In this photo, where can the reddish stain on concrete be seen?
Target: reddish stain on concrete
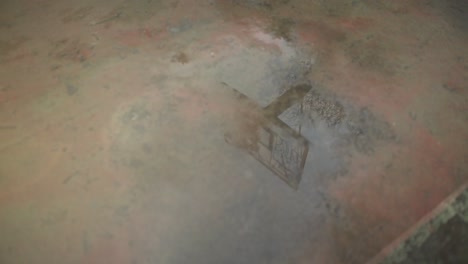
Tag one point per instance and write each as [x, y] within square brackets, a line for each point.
[356, 24]
[319, 35]
[131, 38]
[114, 251]
[23, 56]
[406, 184]
[62, 150]
[457, 77]
[140, 36]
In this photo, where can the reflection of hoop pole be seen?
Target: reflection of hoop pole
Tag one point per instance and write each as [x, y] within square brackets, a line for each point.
[228, 138]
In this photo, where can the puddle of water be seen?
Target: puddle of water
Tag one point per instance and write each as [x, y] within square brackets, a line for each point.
[266, 72]
[270, 141]
[218, 180]
[252, 149]
[223, 152]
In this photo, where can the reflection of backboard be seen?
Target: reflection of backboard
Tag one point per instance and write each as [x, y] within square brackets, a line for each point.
[273, 143]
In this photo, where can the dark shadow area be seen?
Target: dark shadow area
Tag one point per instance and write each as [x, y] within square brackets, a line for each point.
[442, 237]
[447, 245]
[457, 10]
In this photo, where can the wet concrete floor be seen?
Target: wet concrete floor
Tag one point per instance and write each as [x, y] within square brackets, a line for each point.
[226, 131]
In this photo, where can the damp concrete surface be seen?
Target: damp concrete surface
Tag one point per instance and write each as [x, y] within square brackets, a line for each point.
[226, 131]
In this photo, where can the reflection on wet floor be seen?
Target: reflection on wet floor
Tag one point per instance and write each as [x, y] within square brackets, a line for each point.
[228, 131]
[272, 142]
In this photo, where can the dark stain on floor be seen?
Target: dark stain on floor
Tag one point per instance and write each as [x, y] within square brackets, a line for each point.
[366, 130]
[369, 54]
[281, 28]
[71, 89]
[180, 57]
[456, 13]
[11, 44]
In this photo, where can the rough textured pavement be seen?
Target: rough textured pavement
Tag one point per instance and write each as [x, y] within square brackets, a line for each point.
[175, 132]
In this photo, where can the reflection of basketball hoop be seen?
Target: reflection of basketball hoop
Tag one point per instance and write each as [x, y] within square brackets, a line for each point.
[273, 143]
[240, 141]
[283, 151]
[231, 140]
